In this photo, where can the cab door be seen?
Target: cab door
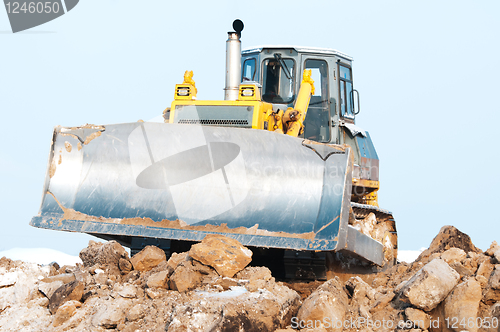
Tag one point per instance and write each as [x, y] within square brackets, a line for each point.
[346, 92]
[318, 114]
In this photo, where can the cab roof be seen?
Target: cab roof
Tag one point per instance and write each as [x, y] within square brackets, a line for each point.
[299, 49]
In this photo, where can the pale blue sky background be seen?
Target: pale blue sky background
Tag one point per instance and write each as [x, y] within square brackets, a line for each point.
[427, 72]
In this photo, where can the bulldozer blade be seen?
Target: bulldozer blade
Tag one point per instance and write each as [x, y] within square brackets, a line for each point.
[182, 182]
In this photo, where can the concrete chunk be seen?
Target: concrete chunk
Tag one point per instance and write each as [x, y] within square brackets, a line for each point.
[159, 279]
[148, 258]
[48, 289]
[67, 292]
[463, 303]
[328, 303]
[453, 255]
[418, 318]
[227, 256]
[430, 285]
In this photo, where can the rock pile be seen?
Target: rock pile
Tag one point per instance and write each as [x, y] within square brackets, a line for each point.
[452, 286]
[208, 288]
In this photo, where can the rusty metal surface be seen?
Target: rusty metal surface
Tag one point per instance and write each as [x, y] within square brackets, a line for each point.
[95, 228]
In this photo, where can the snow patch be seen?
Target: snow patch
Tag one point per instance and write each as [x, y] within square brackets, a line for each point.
[409, 256]
[234, 292]
[40, 256]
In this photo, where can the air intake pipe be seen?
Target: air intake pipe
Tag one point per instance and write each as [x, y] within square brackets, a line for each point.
[233, 61]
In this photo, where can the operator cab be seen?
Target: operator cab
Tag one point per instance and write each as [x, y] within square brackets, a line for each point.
[278, 69]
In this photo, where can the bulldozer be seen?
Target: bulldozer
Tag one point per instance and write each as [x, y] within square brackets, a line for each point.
[278, 165]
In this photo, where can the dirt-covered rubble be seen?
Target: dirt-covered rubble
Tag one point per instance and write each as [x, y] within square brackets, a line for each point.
[452, 286]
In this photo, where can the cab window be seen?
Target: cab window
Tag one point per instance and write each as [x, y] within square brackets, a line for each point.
[345, 90]
[248, 70]
[318, 113]
[278, 80]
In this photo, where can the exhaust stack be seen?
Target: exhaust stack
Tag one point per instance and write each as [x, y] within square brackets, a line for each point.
[233, 61]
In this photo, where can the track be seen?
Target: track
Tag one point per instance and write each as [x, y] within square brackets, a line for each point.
[362, 210]
[385, 218]
[295, 265]
[307, 265]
